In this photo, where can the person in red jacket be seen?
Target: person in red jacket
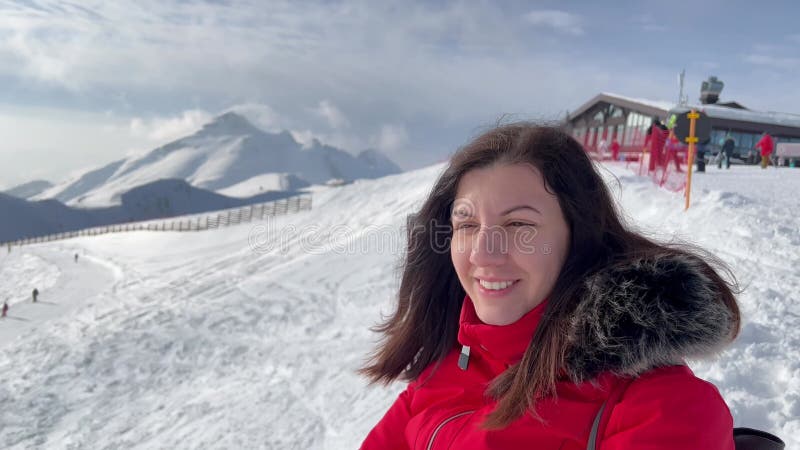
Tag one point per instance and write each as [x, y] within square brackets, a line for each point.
[654, 142]
[766, 145]
[672, 147]
[615, 149]
[539, 306]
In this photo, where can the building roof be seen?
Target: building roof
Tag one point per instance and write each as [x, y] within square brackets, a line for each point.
[746, 115]
[650, 107]
[661, 107]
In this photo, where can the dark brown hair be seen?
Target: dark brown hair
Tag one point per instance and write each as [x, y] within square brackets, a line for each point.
[424, 328]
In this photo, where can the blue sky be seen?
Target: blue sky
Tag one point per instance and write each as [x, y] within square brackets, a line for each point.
[88, 82]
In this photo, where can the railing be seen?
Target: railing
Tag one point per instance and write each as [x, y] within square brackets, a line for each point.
[198, 222]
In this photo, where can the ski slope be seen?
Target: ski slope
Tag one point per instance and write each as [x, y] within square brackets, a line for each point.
[249, 336]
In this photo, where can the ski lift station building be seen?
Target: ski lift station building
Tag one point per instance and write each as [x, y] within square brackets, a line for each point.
[611, 116]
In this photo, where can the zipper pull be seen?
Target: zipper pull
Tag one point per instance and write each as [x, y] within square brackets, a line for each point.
[463, 358]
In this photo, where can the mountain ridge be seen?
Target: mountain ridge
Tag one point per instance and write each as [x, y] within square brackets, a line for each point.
[226, 151]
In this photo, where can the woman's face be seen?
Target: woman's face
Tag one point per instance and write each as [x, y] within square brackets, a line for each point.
[510, 240]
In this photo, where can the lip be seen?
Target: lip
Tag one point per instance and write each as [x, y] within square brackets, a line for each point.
[495, 293]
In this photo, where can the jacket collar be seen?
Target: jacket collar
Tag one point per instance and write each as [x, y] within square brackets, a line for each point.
[632, 316]
[506, 343]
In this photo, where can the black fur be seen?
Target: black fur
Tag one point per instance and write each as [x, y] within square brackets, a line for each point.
[649, 313]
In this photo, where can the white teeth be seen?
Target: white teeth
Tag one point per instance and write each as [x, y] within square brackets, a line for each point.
[495, 285]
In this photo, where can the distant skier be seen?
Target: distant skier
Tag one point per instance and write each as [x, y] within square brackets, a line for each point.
[5, 309]
[615, 149]
[766, 145]
[725, 153]
[673, 147]
[654, 142]
[602, 148]
[35, 294]
[76, 257]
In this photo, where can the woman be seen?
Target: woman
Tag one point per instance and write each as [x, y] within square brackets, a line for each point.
[541, 304]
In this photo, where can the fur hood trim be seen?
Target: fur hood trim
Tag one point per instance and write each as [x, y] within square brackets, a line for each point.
[650, 312]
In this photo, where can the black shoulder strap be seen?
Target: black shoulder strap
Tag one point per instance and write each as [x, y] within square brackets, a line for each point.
[750, 439]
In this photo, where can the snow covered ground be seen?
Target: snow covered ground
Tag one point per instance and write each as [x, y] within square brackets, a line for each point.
[248, 337]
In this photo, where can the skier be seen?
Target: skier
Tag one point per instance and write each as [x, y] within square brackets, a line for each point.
[615, 149]
[5, 309]
[656, 137]
[766, 145]
[726, 152]
[672, 147]
[76, 257]
[602, 148]
[35, 294]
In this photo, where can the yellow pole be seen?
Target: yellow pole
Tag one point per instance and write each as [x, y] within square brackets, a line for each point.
[693, 116]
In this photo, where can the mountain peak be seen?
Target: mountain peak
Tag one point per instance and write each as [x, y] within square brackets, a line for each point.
[230, 123]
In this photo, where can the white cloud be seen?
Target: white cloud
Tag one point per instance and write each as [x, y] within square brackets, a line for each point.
[165, 129]
[305, 137]
[335, 118]
[391, 138]
[775, 62]
[52, 143]
[648, 22]
[262, 116]
[560, 21]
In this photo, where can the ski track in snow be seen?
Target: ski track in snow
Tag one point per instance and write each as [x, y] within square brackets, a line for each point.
[241, 338]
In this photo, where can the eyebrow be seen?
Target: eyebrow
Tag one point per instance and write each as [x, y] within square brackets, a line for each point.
[504, 213]
[510, 210]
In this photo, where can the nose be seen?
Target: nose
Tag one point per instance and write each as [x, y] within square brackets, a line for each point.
[489, 247]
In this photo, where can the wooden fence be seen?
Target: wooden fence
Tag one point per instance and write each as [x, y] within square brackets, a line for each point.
[198, 222]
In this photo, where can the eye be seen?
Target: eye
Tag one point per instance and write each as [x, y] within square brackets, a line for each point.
[464, 225]
[520, 224]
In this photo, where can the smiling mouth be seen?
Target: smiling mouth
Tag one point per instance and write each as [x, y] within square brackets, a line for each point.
[496, 285]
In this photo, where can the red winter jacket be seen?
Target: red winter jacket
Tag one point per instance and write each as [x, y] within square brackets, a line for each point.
[766, 145]
[664, 408]
[656, 138]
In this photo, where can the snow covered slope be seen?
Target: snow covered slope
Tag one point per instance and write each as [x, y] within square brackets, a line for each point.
[248, 337]
[227, 151]
[267, 182]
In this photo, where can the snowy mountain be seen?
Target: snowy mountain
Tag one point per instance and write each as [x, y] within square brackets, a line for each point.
[227, 151]
[240, 338]
[162, 198]
[30, 189]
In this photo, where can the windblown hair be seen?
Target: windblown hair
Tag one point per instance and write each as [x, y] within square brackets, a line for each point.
[605, 265]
